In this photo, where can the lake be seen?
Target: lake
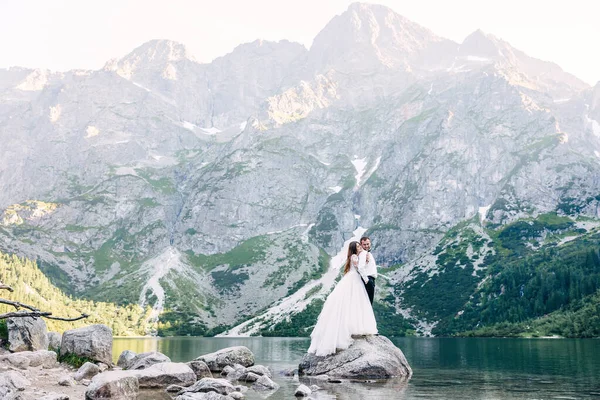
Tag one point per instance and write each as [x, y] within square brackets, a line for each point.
[443, 368]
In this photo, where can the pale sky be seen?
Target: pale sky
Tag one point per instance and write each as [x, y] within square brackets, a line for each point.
[67, 34]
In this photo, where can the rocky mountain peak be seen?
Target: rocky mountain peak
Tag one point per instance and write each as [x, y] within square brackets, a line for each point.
[369, 37]
[152, 54]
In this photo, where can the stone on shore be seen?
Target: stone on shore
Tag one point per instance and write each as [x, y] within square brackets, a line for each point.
[232, 355]
[26, 359]
[27, 334]
[302, 391]
[370, 356]
[94, 342]
[265, 383]
[125, 357]
[200, 369]
[205, 385]
[67, 380]
[120, 385]
[54, 396]
[54, 340]
[11, 383]
[204, 396]
[260, 370]
[145, 360]
[164, 374]
[86, 371]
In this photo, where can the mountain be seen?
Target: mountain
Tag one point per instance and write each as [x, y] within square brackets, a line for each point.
[222, 194]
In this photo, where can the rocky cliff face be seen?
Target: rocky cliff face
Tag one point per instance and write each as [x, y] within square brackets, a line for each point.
[192, 186]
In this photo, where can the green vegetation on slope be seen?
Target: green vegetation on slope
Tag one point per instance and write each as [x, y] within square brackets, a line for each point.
[32, 287]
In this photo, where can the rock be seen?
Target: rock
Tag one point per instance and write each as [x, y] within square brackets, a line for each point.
[26, 359]
[120, 385]
[125, 357]
[103, 367]
[145, 360]
[302, 391]
[54, 396]
[236, 395]
[11, 383]
[260, 370]
[203, 396]
[368, 357]
[164, 374]
[86, 371]
[265, 384]
[232, 355]
[251, 377]
[43, 358]
[94, 341]
[226, 370]
[238, 373]
[54, 340]
[27, 334]
[85, 382]
[314, 388]
[289, 372]
[200, 369]
[241, 388]
[14, 379]
[16, 360]
[221, 386]
[67, 380]
[174, 389]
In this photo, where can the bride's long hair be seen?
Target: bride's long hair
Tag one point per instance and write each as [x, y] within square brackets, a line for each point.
[352, 249]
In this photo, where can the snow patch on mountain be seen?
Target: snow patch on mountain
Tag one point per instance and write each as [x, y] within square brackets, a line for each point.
[483, 212]
[159, 267]
[360, 165]
[210, 131]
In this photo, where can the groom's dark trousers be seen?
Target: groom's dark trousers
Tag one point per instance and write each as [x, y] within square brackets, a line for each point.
[370, 286]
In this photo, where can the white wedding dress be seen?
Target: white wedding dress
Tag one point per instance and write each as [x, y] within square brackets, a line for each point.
[346, 312]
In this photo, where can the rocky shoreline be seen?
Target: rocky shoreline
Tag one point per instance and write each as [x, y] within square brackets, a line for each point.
[228, 374]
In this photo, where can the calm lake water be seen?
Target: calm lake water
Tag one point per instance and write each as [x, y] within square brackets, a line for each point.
[443, 368]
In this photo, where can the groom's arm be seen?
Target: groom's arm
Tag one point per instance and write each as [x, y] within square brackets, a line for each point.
[362, 263]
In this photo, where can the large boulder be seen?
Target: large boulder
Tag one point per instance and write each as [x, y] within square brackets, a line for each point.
[94, 342]
[371, 356]
[145, 360]
[25, 359]
[27, 334]
[120, 385]
[164, 374]
[232, 355]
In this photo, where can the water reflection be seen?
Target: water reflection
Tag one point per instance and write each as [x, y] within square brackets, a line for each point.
[448, 368]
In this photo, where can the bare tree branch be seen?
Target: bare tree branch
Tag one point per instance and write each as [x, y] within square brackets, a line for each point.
[24, 314]
[82, 316]
[18, 305]
[6, 287]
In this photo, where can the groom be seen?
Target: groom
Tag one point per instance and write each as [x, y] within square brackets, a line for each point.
[370, 269]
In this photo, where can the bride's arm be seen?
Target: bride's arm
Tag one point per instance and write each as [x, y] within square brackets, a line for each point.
[361, 264]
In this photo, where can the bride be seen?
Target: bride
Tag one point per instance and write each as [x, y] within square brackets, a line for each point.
[347, 310]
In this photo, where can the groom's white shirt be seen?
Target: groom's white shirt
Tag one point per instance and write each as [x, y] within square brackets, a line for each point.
[366, 269]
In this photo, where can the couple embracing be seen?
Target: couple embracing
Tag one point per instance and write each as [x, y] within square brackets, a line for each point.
[348, 309]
